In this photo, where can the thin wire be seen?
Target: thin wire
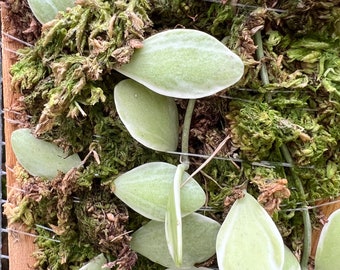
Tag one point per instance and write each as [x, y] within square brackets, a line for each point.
[17, 39]
[44, 228]
[9, 50]
[245, 6]
[310, 207]
[31, 234]
[262, 163]
[204, 209]
[77, 200]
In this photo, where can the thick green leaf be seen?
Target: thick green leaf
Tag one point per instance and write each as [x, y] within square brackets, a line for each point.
[96, 263]
[290, 263]
[41, 158]
[184, 63]
[249, 239]
[327, 255]
[173, 218]
[46, 10]
[146, 190]
[151, 119]
[199, 236]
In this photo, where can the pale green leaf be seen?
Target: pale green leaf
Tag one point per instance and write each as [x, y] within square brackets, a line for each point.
[46, 10]
[184, 63]
[199, 237]
[173, 218]
[327, 255]
[151, 119]
[249, 239]
[96, 263]
[146, 190]
[41, 158]
[290, 263]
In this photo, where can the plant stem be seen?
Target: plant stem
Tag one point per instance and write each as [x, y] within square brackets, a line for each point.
[305, 214]
[260, 55]
[186, 131]
[307, 243]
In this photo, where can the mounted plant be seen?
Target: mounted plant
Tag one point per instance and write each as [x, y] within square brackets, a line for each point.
[156, 190]
[179, 63]
[102, 71]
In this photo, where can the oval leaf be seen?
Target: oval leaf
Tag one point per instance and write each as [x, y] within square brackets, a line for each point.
[46, 10]
[151, 119]
[199, 236]
[96, 263]
[41, 158]
[327, 255]
[146, 190]
[249, 239]
[290, 263]
[184, 63]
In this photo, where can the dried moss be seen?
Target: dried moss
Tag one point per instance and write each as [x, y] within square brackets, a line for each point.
[67, 80]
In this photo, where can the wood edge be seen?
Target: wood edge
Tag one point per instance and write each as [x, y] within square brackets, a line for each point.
[20, 246]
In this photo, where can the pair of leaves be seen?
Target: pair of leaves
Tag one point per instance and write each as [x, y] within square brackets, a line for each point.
[249, 239]
[179, 63]
[46, 10]
[41, 158]
[154, 190]
[199, 237]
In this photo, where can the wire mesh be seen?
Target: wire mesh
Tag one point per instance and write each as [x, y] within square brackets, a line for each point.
[3, 233]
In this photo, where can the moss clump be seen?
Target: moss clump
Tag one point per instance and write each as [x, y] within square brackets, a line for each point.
[288, 99]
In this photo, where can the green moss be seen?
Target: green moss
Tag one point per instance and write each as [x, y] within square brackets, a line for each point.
[67, 81]
[61, 253]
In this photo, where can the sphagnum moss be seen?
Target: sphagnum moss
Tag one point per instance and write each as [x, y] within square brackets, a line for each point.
[67, 81]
